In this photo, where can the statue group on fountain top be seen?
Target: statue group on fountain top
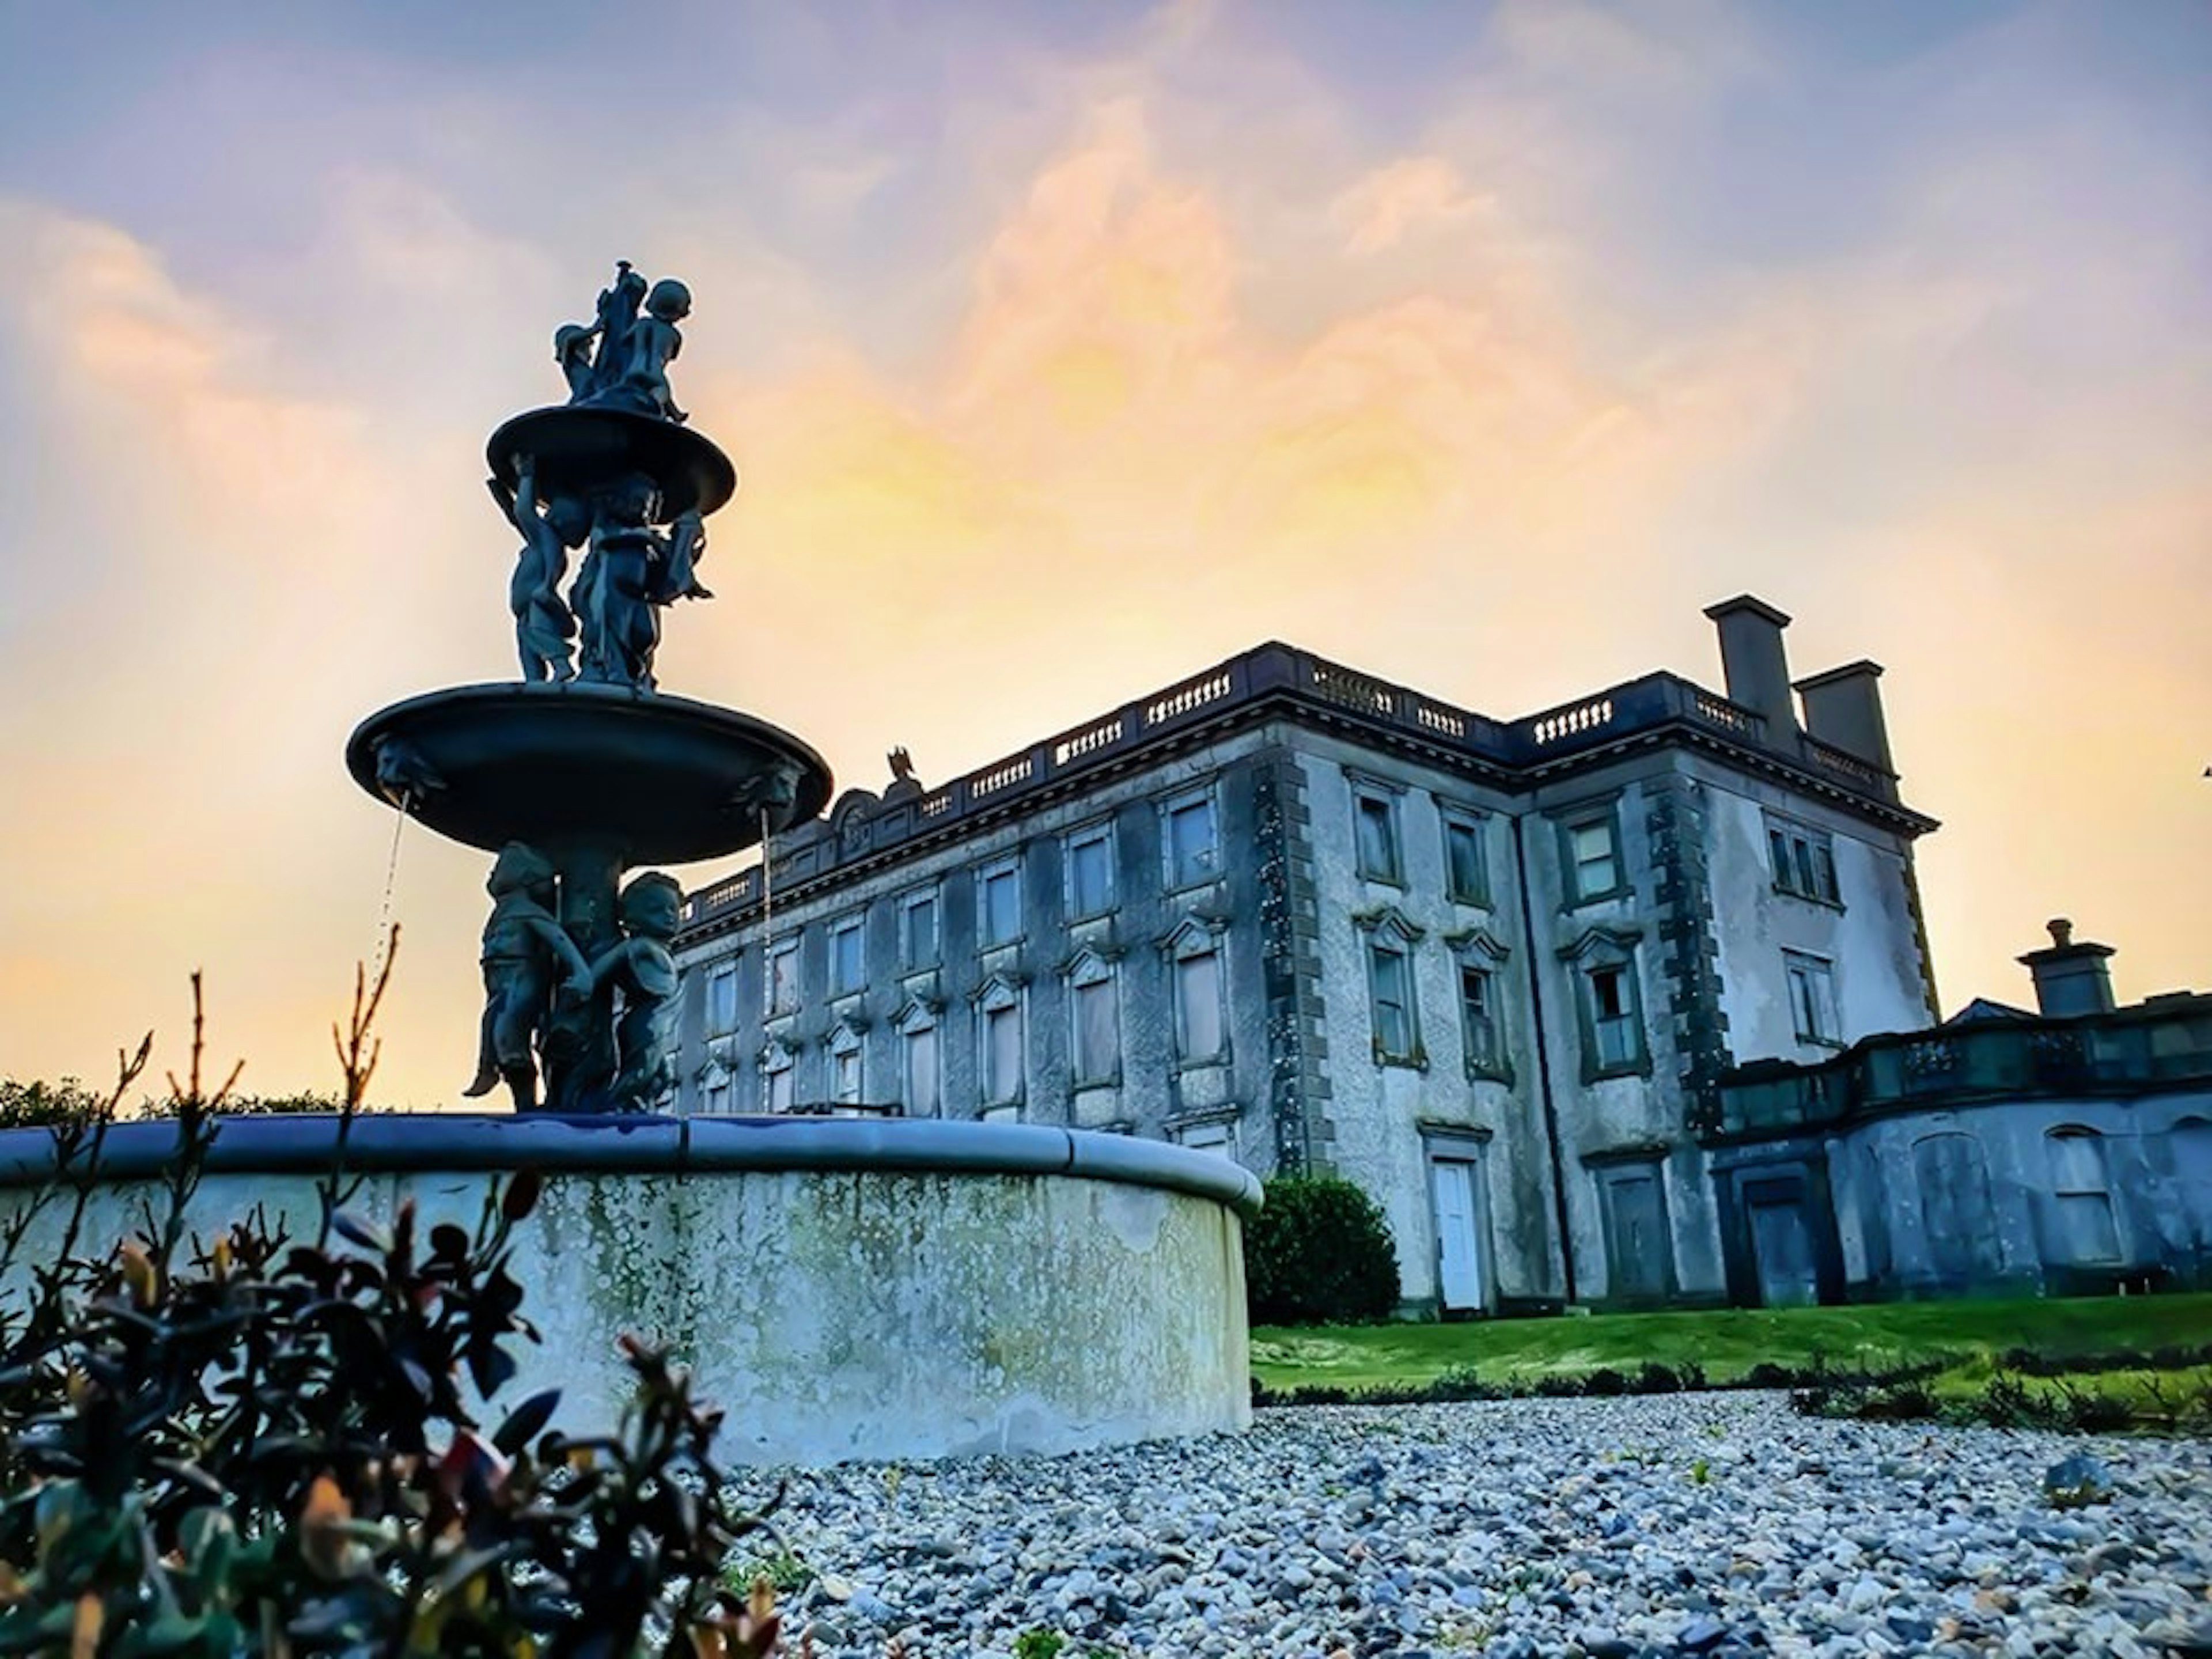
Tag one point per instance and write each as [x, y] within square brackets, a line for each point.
[631, 570]
[540, 990]
[620, 360]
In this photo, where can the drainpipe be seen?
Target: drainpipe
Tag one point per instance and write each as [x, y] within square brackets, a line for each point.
[1544, 1071]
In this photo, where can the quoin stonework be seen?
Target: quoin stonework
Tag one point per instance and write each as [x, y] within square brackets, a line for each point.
[1505, 975]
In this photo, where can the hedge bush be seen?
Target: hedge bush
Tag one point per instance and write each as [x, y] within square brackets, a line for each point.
[1319, 1253]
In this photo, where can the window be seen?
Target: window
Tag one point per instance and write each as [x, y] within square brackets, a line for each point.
[2081, 1198]
[1613, 1018]
[778, 1072]
[1195, 965]
[845, 1067]
[1478, 1016]
[1811, 999]
[848, 966]
[998, 903]
[999, 1039]
[1593, 858]
[918, 1046]
[783, 976]
[722, 998]
[1094, 1035]
[718, 1098]
[1466, 873]
[1391, 985]
[1091, 872]
[1193, 848]
[918, 929]
[1804, 861]
[1376, 825]
[1213, 1137]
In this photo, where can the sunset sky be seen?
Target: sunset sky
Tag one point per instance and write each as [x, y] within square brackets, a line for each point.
[1065, 350]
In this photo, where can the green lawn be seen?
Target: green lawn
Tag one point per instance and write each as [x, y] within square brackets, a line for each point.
[1727, 1342]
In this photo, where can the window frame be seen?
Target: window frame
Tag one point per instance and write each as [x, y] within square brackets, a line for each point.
[1605, 815]
[1605, 950]
[846, 1046]
[1008, 868]
[1194, 940]
[784, 950]
[852, 924]
[1801, 861]
[930, 896]
[1207, 867]
[917, 1024]
[1376, 802]
[1099, 834]
[1474, 826]
[2068, 1198]
[714, 1019]
[999, 997]
[1092, 972]
[1818, 974]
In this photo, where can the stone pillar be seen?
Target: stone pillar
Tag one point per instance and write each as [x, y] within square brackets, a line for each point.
[1755, 665]
[1843, 708]
[2070, 978]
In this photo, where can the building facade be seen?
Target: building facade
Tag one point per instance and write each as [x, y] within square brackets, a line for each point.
[2060, 1151]
[1493, 971]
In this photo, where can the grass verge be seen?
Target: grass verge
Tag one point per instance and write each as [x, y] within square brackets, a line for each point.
[1727, 1343]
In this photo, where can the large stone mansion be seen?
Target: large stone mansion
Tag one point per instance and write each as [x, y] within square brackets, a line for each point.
[1494, 971]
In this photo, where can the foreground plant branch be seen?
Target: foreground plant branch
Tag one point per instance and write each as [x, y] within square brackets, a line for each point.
[226, 1442]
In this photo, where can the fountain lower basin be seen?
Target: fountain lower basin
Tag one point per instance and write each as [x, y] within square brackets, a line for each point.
[843, 1288]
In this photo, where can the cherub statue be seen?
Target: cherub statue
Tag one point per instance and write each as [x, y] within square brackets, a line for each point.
[642, 969]
[615, 317]
[523, 942]
[614, 592]
[653, 344]
[544, 624]
[571, 349]
[680, 551]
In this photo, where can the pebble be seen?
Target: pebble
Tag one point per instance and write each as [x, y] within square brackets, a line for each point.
[1721, 1525]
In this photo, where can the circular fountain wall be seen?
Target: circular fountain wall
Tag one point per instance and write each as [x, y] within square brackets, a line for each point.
[843, 1288]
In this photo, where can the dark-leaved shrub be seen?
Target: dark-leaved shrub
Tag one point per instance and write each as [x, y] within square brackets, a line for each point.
[1319, 1253]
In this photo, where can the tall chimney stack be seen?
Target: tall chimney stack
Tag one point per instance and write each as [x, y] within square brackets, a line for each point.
[1843, 708]
[1755, 665]
[2070, 978]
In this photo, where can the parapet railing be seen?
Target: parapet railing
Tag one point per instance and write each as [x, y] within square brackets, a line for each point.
[1958, 1066]
[1273, 671]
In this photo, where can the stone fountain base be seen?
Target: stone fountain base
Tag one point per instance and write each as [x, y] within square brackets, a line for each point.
[844, 1288]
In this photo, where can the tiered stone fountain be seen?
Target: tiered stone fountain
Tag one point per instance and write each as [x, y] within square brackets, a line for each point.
[846, 1287]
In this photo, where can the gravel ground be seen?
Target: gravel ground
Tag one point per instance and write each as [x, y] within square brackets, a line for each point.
[1716, 1524]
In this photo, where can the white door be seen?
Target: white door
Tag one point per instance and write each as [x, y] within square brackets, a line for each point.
[1459, 1250]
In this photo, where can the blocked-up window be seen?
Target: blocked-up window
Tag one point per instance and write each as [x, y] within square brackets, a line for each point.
[1466, 874]
[2082, 1196]
[999, 904]
[777, 1079]
[1200, 1027]
[1376, 815]
[1002, 1049]
[722, 998]
[783, 977]
[918, 929]
[1089, 873]
[1192, 842]
[847, 967]
[1094, 1038]
[918, 1040]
